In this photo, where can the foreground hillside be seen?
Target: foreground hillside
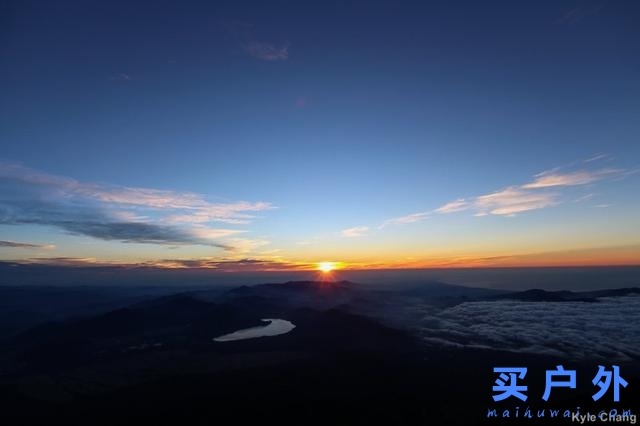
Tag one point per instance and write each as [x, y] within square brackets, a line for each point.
[355, 356]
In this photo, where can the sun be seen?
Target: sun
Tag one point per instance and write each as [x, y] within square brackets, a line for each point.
[326, 267]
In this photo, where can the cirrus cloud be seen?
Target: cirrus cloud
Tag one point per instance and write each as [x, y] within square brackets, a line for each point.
[453, 206]
[30, 197]
[581, 177]
[19, 245]
[534, 195]
[358, 231]
[513, 200]
[403, 220]
[244, 34]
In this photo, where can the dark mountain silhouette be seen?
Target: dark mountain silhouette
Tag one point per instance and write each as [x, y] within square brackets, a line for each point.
[22, 307]
[155, 360]
[538, 295]
[186, 321]
[316, 294]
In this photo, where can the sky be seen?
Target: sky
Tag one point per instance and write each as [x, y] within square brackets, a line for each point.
[276, 135]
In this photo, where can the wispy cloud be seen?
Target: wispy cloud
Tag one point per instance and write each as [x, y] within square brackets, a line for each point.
[534, 195]
[232, 213]
[358, 231]
[66, 261]
[453, 206]
[513, 200]
[198, 209]
[19, 245]
[505, 202]
[246, 245]
[403, 220]
[584, 197]
[231, 265]
[121, 77]
[258, 48]
[97, 225]
[214, 233]
[222, 264]
[102, 211]
[599, 157]
[581, 177]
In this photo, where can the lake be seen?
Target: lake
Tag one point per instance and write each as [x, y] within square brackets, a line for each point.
[274, 328]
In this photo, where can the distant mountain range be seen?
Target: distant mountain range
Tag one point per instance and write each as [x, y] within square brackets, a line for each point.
[537, 295]
[354, 352]
[193, 319]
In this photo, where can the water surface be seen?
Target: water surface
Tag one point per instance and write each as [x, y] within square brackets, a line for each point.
[274, 328]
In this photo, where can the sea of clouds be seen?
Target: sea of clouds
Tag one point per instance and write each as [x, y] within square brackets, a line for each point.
[608, 329]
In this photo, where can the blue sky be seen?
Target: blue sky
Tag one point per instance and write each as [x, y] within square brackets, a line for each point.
[328, 131]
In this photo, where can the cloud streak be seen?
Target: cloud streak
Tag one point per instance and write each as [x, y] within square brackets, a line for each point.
[404, 220]
[231, 265]
[454, 206]
[194, 206]
[30, 197]
[260, 49]
[358, 231]
[533, 195]
[19, 245]
[581, 177]
[222, 264]
[512, 200]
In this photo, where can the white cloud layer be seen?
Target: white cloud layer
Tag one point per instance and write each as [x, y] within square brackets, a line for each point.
[609, 329]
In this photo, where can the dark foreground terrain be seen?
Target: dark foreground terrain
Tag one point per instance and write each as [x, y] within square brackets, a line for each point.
[353, 358]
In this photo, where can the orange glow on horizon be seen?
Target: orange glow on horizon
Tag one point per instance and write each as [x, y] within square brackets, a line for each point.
[581, 257]
[327, 267]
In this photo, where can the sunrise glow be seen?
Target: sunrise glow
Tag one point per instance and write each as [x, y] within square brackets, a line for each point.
[327, 267]
[423, 172]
